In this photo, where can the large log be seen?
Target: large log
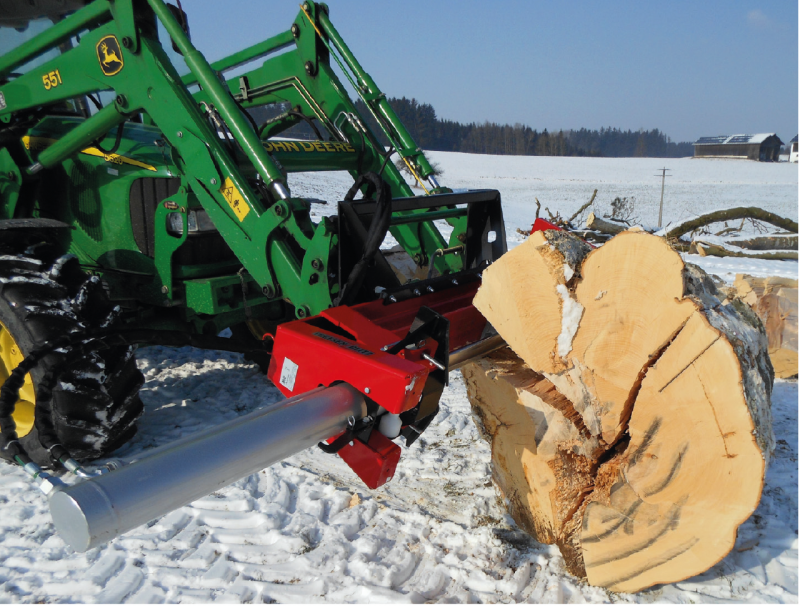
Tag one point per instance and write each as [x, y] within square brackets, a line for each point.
[631, 424]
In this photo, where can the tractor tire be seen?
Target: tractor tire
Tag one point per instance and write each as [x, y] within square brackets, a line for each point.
[95, 400]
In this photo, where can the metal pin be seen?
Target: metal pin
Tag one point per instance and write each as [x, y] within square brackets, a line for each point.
[436, 363]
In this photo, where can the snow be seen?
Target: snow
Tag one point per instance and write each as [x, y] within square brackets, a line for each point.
[571, 313]
[307, 530]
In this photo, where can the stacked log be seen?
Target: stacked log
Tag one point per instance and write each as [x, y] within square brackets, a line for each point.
[774, 299]
[630, 419]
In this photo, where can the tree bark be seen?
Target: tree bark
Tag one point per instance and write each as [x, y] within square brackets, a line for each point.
[631, 424]
[715, 250]
[766, 243]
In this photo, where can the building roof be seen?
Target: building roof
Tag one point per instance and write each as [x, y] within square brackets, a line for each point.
[735, 139]
[794, 140]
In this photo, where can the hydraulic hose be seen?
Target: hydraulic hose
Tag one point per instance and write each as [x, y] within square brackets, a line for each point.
[375, 236]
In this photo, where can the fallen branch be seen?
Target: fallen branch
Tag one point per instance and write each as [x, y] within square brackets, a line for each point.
[705, 248]
[745, 212]
[596, 223]
[730, 230]
[583, 208]
[766, 243]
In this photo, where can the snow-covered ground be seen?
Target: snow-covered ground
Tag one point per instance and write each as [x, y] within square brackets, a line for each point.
[307, 530]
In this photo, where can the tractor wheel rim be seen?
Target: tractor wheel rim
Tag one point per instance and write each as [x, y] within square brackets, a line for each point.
[10, 356]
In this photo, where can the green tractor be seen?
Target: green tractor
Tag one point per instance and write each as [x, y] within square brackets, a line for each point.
[141, 206]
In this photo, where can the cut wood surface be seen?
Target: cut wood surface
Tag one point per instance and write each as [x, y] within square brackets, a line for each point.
[774, 299]
[603, 226]
[630, 425]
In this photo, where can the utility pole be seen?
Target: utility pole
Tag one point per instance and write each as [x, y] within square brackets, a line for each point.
[664, 175]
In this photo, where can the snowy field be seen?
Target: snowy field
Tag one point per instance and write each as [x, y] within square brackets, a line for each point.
[307, 530]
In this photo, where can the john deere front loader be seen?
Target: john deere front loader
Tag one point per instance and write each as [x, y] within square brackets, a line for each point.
[142, 206]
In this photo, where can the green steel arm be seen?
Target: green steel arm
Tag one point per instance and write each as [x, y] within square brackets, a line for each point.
[258, 229]
[374, 98]
[149, 83]
[248, 54]
[320, 94]
[92, 129]
[239, 126]
[53, 36]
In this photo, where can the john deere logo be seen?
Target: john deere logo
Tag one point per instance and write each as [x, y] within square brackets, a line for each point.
[109, 55]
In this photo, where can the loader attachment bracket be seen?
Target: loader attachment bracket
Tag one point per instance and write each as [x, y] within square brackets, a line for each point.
[476, 217]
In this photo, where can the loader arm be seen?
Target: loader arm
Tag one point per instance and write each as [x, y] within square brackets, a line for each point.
[304, 78]
[391, 340]
[147, 83]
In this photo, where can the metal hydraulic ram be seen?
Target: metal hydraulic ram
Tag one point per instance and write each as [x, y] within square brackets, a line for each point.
[96, 511]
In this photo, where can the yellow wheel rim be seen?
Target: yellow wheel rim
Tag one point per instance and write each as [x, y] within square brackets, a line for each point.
[10, 357]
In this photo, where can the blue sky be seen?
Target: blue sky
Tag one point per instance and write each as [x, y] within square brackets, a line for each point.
[689, 68]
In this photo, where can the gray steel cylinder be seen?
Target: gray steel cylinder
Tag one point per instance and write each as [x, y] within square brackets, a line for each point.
[95, 511]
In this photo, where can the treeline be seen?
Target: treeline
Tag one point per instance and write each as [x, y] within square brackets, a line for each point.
[432, 133]
[616, 143]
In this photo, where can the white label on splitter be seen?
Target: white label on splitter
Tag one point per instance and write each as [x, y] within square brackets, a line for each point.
[288, 374]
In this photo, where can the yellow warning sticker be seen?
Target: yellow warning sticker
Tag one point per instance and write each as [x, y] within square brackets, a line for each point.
[42, 143]
[234, 198]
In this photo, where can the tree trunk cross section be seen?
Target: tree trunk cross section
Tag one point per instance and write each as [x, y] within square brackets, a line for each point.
[630, 417]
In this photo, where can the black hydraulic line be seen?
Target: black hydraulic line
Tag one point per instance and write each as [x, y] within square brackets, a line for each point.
[246, 114]
[302, 116]
[292, 112]
[95, 101]
[117, 142]
[376, 234]
[270, 122]
[220, 126]
[386, 157]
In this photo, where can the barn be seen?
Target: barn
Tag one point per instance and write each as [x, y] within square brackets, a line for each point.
[765, 147]
[793, 150]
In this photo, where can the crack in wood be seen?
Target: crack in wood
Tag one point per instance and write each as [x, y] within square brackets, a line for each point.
[680, 372]
[649, 434]
[714, 412]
